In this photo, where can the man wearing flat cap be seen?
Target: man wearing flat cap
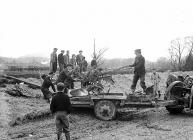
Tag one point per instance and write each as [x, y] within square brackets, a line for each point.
[53, 61]
[79, 60]
[139, 71]
[61, 60]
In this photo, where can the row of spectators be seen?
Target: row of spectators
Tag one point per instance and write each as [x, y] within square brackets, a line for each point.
[62, 60]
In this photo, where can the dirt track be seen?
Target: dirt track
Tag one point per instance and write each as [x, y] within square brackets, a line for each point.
[153, 125]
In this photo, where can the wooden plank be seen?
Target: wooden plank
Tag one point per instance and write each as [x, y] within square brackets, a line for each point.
[23, 81]
[148, 104]
[165, 103]
[81, 104]
[110, 97]
[138, 104]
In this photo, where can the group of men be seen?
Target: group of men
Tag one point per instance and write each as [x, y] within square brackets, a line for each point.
[62, 60]
[79, 60]
[67, 71]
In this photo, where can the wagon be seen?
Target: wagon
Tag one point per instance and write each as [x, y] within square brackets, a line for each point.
[106, 105]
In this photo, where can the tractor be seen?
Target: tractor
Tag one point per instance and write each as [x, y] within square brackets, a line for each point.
[181, 92]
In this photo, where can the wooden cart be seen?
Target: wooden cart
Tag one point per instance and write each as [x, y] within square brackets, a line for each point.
[106, 105]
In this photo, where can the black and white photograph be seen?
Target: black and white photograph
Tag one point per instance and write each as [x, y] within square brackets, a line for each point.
[96, 70]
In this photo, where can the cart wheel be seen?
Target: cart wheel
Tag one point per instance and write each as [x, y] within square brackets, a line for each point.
[105, 110]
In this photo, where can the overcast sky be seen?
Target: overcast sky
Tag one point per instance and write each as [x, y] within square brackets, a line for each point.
[29, 27]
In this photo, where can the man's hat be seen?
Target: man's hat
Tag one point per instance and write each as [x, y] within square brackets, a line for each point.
[43, 76]
[51, 73]
[62, 50]
[138, 50]
[80, 51]
[55, 48]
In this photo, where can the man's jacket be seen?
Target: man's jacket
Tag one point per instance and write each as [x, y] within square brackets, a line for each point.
[53, 57]
[61, 58]
[139, 65]
[47, 83]
[60, 102]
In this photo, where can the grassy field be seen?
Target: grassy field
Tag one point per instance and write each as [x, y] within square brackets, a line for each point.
[123, 82]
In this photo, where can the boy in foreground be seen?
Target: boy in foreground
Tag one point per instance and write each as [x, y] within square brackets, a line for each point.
[61, 107]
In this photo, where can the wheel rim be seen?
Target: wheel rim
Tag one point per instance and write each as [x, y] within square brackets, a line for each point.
[105, 110]
[171, 93]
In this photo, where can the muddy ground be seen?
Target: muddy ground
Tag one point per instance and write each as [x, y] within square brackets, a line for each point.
[156, 124]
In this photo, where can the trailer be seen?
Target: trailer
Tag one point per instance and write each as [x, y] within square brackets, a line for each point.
[106, 105]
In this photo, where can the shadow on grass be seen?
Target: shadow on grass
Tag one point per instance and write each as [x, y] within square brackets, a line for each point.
[183, 114]
[46, 114]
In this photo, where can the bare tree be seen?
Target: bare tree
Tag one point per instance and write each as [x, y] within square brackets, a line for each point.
[176, 51]
[163, 64]
[98, 56]
[189, 43]
[189, 57]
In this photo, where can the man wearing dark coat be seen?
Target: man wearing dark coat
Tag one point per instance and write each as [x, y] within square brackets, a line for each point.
[84, 64]
[47, 83]
[67, 58]
[61, 61]
[53, 61]
[65, 77]
[79, 60]
[94, 62]
[139, 71]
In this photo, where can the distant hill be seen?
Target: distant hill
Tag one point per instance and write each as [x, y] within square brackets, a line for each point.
[117, 62]
[37, 61]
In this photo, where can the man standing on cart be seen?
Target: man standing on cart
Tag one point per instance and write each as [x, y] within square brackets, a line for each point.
[139, 71]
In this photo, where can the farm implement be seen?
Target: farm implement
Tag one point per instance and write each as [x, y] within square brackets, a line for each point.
[107, 105]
